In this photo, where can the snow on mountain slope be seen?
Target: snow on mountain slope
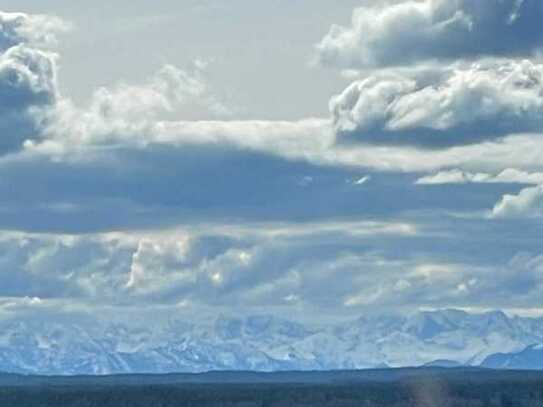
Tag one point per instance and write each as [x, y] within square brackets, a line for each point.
[264, 343]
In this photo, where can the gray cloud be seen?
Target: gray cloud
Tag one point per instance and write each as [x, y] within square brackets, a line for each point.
[288, 266]
[385, 33]
[27, 88]
[123, 187]
[205, 265]
[483, 101]
[28, 82]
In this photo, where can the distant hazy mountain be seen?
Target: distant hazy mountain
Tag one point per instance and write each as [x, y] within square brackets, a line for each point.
[530, 358]
[265, 343]
[443, 363]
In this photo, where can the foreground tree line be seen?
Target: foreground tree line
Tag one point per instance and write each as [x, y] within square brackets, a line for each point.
[416, 393]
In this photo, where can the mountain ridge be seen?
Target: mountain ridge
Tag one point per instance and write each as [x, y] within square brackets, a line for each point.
[264, 343]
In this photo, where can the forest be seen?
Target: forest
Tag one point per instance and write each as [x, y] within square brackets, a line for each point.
[404, 388]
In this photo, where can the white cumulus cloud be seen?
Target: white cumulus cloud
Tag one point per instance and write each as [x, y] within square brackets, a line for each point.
[484, 100]
[36, 29]
[527, 203]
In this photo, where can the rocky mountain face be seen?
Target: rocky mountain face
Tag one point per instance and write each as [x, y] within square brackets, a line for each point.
[266, 343]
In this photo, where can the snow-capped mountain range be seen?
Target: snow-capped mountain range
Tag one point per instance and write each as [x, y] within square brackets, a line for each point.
[266, 343]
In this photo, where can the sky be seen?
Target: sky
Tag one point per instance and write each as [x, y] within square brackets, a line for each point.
[308, 158]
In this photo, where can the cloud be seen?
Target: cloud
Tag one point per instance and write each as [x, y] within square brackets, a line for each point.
[448, 104]
[299, 234]
[393, 33]
[32, 110]
[157, 264]
[192, 172]
[309, 141]
[160, 185]
[208, 264]
[171, 89]
[527, 203]
[34, 29]
[28, 81]
[483, 101]
[50, 267]
[27, 89]
[80, 130]
[130, 113]
[445, 284]
[143, 116]
[456, 176]
[320, 266]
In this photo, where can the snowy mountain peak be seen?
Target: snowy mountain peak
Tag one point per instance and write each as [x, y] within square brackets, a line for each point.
[267, 342]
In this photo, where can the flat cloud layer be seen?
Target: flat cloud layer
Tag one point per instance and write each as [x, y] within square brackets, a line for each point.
[385, 33]
[509, 175]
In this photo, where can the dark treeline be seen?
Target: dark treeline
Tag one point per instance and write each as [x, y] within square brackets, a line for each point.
[483, 389]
